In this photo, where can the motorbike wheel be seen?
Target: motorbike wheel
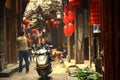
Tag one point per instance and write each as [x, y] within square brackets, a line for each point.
[42, 73]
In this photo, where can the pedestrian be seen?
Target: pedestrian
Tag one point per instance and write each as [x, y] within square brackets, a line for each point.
[22, 44]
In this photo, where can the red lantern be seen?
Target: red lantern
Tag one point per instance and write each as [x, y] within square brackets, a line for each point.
[74, 3]
[70, 16]
[66, 30]
[26, 22]
[52, 20]
[65, 9]
[65, 19]
[71, 0]
[70, 28]
[55, 22]
[34, 31]
[47, 22]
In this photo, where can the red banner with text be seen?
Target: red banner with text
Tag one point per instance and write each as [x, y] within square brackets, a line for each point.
[94, 12]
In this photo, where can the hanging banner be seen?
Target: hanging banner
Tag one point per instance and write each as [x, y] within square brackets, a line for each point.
[94, 12]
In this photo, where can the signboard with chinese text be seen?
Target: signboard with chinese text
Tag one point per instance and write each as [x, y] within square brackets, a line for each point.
[94, 12]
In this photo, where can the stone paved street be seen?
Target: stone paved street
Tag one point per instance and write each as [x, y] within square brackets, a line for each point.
[59, 73]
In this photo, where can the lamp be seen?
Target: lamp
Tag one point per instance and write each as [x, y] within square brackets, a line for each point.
[44, 30]
[96, 28]
[58, 14]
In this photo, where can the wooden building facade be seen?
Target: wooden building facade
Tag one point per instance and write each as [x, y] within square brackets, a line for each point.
[10, 23]
[111, 38]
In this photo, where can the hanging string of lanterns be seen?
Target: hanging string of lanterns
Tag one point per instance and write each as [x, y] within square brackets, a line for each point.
[68, 20]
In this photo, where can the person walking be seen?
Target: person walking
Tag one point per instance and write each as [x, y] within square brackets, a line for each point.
[22, 44]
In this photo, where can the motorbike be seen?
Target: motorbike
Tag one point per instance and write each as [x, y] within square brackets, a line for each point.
[43, 63]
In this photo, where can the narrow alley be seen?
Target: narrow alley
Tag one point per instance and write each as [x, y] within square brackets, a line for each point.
[84, 32]
[58, 73]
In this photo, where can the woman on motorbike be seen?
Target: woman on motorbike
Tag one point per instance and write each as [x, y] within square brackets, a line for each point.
[43, 45]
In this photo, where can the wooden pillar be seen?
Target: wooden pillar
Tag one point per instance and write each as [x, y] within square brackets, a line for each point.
[11, 24]
[79, 39]
[13, 32]
[19, 15]
[2, 35]
[117, 38]
[111, 38]
[68, 46]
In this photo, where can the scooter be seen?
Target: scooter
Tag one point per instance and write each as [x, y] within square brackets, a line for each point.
[43, 63]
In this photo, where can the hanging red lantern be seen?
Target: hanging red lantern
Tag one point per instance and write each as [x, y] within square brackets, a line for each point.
[26, 22]
[34, 31]
[74, 3]
[71, 28]
[52, 20]
[65, 30]
[71, 0]
[65, 9]
[65, 19]
[70, 16]
[55, 22]
[47, 22]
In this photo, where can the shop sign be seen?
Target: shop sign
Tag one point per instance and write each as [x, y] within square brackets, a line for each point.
[94, 12]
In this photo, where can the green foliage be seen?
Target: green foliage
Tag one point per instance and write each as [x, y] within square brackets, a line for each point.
[86, 74]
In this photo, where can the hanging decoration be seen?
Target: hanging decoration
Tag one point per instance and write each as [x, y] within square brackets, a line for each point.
[70, 16]
[47, 22]
[68, 21]
[52, 20]
[70, 28]
[74, 3]
[65, 9]
[34, 31]
[65, 30]
[26, 23]
[65, 19]
[71, 1]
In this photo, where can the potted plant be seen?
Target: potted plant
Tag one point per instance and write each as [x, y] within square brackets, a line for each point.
[86, 74]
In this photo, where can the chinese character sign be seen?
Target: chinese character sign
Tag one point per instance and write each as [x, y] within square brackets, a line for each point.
[94, 12]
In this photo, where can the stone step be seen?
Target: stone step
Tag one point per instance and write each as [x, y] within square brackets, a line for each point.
[10, 70]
